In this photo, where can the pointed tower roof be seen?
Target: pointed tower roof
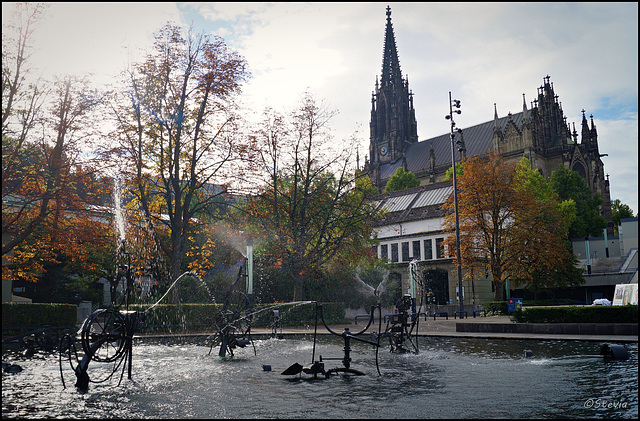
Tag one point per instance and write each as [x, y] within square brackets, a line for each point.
[390, 63]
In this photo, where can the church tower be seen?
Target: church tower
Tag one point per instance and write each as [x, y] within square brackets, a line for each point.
[393, 119]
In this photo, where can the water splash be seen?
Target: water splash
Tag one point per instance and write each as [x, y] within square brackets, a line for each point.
[118, 213]
[377, 291]
[195, 275]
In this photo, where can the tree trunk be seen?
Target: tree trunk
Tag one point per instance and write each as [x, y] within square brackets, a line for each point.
[498, 294]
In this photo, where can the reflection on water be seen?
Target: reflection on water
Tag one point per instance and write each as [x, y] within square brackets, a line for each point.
[450, 378]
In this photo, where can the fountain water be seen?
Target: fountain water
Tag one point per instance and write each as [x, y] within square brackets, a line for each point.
[401, 324]
[456, 378]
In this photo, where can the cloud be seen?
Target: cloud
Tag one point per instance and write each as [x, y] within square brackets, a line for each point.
[98, 38]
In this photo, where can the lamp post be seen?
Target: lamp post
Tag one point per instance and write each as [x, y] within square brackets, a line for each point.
[455, 103]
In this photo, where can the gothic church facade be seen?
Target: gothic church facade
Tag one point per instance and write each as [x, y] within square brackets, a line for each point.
[540, 132]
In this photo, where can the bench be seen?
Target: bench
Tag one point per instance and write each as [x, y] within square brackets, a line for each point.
[440, 314]
[477, 312]
[366, 316]
[394, 317]
[462, 314]
[414, 315]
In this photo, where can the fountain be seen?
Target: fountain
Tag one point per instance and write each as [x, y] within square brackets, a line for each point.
[405, 320]
[317, 367]
[449, 378]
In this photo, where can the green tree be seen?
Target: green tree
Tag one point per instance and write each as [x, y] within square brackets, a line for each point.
[401, 180]
[565, 273]
[619, 211]
[509, 222]
[448, 175]
[570, 186]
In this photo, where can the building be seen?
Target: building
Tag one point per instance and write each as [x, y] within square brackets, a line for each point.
[540, 133]
[412, 228]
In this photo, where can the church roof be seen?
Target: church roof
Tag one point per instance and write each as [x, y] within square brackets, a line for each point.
[478, 140]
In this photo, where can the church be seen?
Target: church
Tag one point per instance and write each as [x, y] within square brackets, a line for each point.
[412, 231]
[540, 133]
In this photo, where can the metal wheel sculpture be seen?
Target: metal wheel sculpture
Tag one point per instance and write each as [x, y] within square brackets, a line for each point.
[238, 313]
[104, 335]
[399, 327]
[233, 324]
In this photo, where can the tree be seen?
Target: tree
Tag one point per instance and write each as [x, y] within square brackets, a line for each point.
[619, 211]
[569, 185]
[176, 129]
[401, 180]
[21, 110]
[503, 225]
[46, 205]
[310, 208]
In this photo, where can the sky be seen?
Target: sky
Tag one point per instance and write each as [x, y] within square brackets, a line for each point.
[484, 53]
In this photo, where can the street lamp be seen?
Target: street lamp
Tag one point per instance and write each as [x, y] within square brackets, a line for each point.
[455, 103]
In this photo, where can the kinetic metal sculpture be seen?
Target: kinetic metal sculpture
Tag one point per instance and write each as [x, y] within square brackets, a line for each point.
[107, 334]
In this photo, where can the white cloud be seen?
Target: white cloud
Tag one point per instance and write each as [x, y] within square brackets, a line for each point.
[98, 38]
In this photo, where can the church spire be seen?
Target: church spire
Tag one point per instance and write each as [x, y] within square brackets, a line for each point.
[390, 64]
[393, 121]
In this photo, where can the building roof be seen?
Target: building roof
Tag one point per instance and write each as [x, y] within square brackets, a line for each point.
[413, 204]
[478, 140]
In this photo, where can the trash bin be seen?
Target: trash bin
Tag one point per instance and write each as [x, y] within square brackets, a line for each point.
[513, 304]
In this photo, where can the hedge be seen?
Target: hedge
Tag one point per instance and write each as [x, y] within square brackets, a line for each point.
[495, 307]
[203, 316]
[35, 315]
[578, 314]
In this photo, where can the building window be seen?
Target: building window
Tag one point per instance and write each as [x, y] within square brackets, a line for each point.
[416, 250]
[428, 250]
[394, 252]
[405, 251]
[384, 251]
[439, 248]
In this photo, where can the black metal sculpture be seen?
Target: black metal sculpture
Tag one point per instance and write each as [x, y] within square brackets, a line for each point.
[317, 367]
[233, 324]
[107, 334]
[400, 326]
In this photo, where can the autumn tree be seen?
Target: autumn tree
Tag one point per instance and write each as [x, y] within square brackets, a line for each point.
[22, 101]
[49, 186]
[176, 132]
[309, 208]
[504, 226]
[401, 180]
[48, 182]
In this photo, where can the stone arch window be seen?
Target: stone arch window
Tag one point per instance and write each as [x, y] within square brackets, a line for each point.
[579, 168]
